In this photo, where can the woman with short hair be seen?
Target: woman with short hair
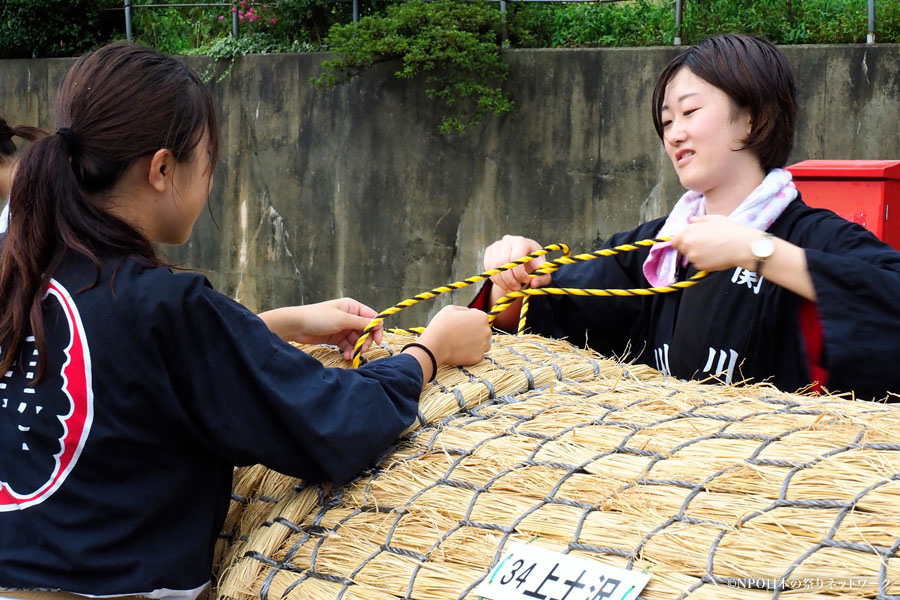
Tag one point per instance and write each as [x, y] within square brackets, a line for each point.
[796, 296]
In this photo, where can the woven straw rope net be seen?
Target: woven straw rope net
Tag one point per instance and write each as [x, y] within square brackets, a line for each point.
[717, 491]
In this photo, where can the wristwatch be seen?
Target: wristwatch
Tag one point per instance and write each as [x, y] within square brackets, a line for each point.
[762, 249]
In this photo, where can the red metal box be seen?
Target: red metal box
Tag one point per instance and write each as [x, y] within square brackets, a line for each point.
[863, 191]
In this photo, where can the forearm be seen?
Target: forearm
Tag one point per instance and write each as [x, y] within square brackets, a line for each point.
[282, 322]
[485, 300]
[714, 243]
[508, 320]
[787, 267]
[424, 362]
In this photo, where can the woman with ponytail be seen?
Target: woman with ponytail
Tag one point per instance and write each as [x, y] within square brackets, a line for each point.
[128, 392]
[9, 161]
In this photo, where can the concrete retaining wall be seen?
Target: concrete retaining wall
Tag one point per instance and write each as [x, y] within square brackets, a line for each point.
[352, 191]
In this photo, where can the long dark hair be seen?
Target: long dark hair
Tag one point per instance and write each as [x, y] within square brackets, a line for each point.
[114, 106]
[7, 133]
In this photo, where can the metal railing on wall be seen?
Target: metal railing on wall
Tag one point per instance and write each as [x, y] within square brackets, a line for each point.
[679, 9]
[233, 4]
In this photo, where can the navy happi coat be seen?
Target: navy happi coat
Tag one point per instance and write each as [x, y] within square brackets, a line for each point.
[115, 469]
[736, 326]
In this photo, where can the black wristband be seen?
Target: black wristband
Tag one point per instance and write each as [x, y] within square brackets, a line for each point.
[430, 354]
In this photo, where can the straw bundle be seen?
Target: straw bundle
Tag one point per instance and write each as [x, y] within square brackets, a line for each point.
[717, 491]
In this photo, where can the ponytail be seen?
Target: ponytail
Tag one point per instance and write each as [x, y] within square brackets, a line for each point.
[29, 244]
[7, 146]
[137, 102]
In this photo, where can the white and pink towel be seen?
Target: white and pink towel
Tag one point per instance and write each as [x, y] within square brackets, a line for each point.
[759, 210]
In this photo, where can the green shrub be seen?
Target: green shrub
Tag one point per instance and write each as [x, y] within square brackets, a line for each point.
[226, 48]
[531, 25]
[636, 23]
[793, 21]
[308, 21]
[175, 30]
[38, 28]
[652, 22]
[887, 22]
[455, 45]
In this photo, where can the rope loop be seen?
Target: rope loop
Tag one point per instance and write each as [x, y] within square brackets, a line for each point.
[506, 301]
[432, 293]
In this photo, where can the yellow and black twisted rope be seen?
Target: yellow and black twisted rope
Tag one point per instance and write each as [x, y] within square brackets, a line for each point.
[546, 268]
[506, 301]
[374, 323]
[550, 266]
[553, 265]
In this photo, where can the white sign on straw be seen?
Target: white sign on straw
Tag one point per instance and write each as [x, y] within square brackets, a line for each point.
[528, 572]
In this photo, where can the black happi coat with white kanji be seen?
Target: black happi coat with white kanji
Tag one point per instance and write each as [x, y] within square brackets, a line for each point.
[734, 324]
[115, 468]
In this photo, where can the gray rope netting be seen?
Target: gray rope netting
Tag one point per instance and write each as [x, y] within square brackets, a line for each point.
[716, 491]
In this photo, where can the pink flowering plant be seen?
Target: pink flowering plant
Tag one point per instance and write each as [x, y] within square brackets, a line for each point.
[257, 17]
[260, 31]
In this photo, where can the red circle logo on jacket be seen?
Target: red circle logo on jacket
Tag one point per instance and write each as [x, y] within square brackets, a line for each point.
[45, 431]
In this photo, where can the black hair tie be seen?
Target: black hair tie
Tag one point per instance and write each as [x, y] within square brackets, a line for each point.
[434, 364]
[71, 140]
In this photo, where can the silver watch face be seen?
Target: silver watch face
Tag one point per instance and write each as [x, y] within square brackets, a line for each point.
[762, 248]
